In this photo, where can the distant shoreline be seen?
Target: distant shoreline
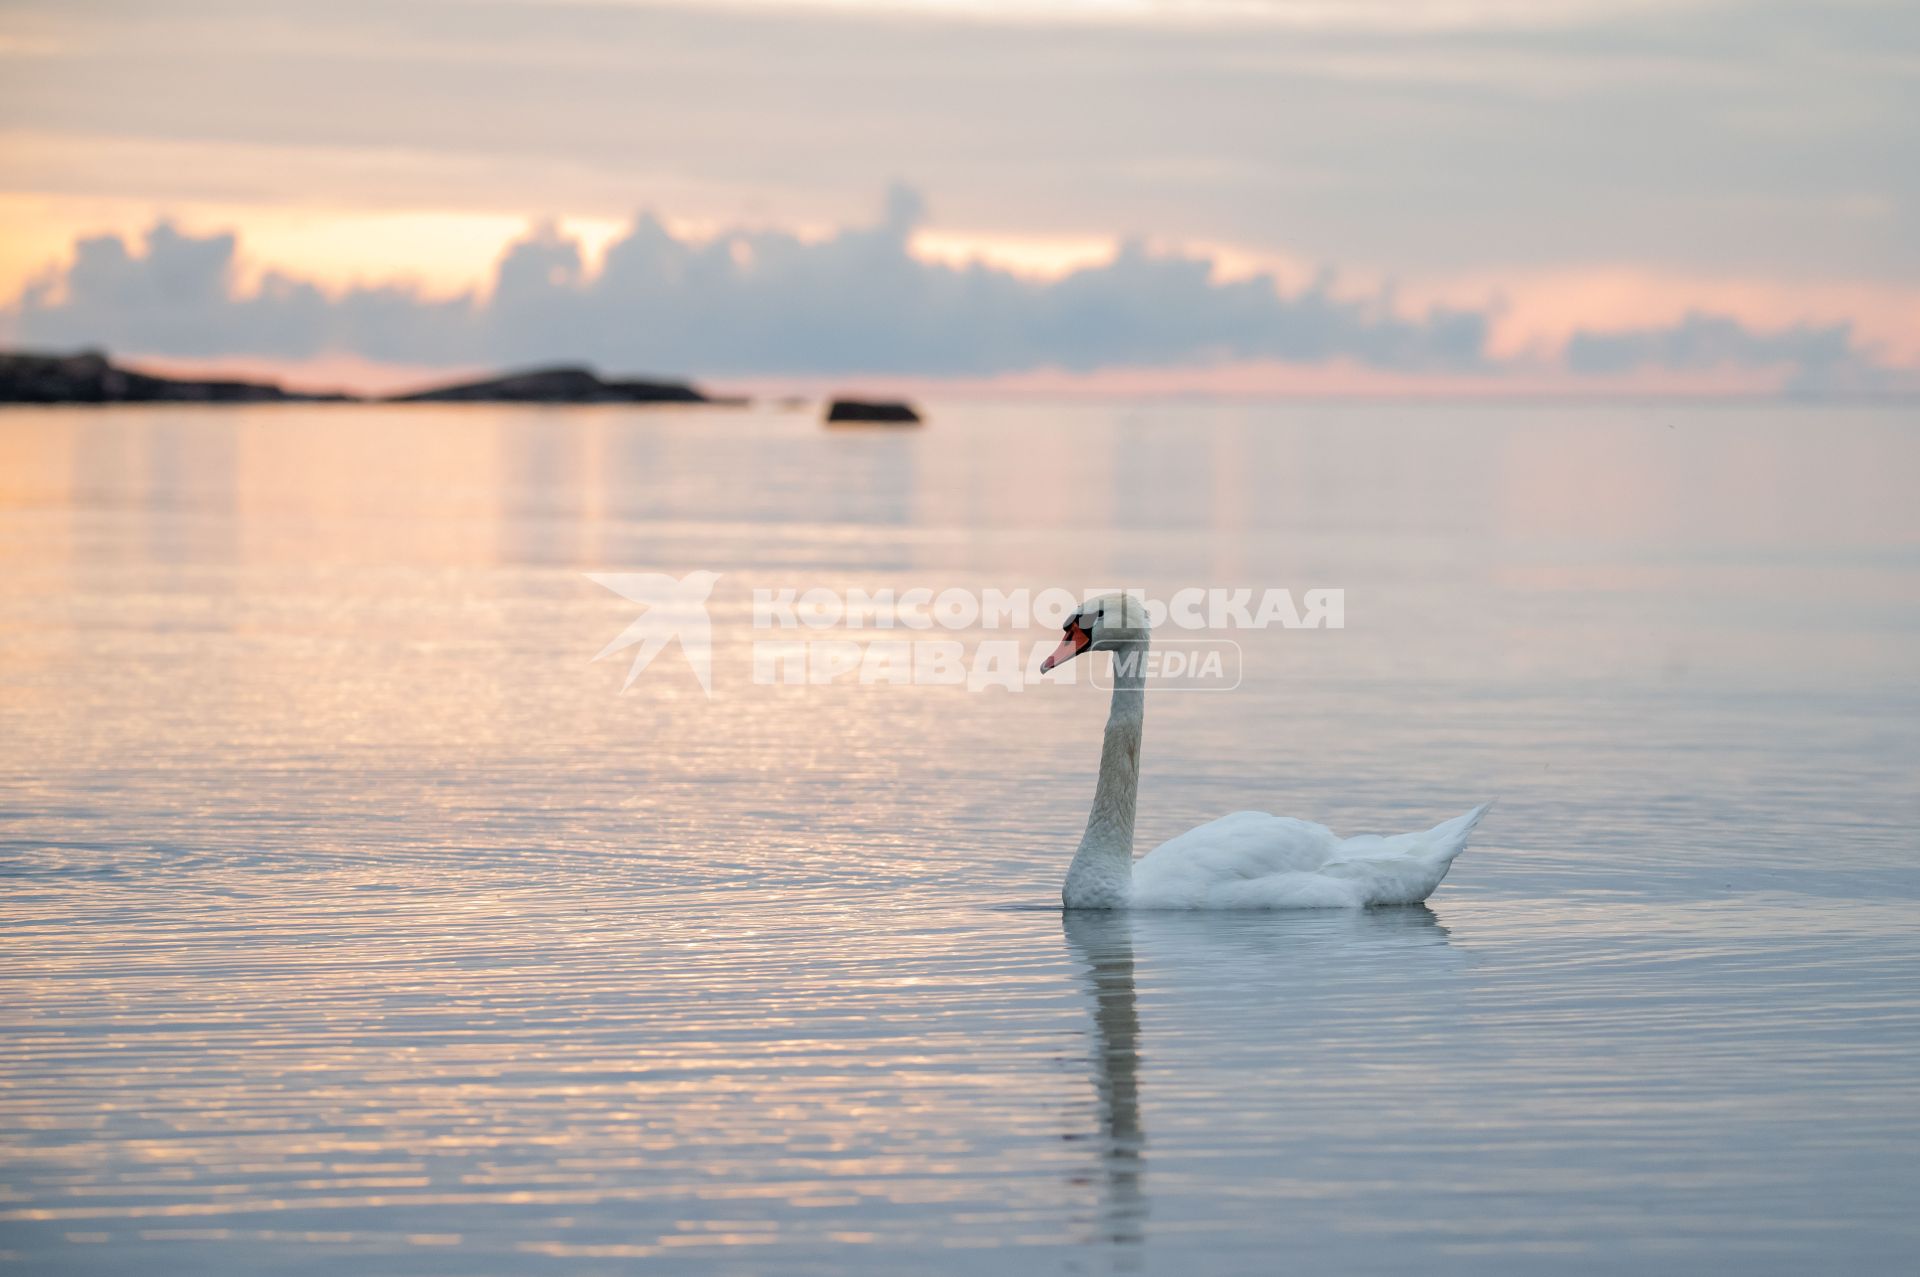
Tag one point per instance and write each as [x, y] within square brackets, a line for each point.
[91, 377]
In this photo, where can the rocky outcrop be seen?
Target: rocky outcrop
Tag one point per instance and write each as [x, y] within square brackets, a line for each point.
[90, 377]
[558, 385]
[886, 411]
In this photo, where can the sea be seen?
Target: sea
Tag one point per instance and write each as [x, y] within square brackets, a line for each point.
[362, 912]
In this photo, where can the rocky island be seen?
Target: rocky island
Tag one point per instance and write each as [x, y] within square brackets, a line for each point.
[90, 377]
[890, 412]
[560, 385]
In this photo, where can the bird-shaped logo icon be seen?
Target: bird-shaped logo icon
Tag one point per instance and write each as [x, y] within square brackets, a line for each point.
[676, 608]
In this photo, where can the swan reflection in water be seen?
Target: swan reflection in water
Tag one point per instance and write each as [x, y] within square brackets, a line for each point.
[1245, 956]
[1102, 940]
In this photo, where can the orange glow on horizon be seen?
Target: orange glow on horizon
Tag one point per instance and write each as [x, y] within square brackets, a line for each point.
[1252, 379]
[1271, 379]
[1544, 307]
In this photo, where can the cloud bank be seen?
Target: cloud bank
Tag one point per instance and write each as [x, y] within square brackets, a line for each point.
[759, 303]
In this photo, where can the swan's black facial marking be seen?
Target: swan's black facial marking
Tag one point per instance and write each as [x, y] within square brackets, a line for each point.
[1076, 640]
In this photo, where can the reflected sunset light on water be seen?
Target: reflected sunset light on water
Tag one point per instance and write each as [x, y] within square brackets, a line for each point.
[354, 916]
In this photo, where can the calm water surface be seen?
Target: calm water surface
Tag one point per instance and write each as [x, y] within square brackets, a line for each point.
[352, 920]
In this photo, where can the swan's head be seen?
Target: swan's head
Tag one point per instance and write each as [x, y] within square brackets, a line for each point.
[1110, 623]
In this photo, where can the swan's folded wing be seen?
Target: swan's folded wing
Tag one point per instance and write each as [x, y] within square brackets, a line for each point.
[1251, 860]
[1247, 844]
[1248, 860]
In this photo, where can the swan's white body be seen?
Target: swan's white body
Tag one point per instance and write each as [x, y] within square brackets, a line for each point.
[1251, 860]
[1248, 860]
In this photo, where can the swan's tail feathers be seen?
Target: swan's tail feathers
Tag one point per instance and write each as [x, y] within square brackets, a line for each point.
[1449, 837]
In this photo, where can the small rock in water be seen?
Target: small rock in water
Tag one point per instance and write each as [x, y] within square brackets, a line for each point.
[888, 411]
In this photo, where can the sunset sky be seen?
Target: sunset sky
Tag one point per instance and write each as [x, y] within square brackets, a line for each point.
[1236, 195]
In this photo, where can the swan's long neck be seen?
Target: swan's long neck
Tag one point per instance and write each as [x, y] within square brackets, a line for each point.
[1102, 869]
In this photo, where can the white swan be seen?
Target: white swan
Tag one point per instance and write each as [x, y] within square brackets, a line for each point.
[1248, 860]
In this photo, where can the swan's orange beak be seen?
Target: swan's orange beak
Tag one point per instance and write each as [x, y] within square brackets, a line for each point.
[1076, 642]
